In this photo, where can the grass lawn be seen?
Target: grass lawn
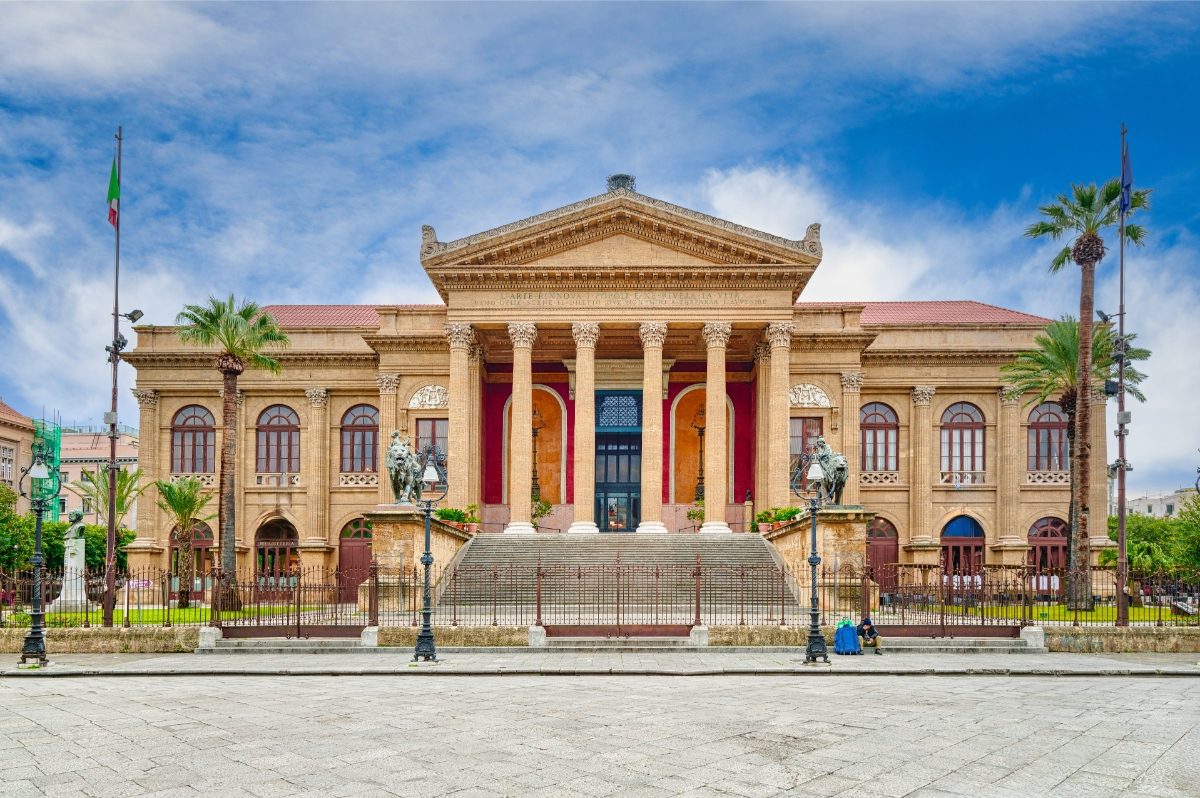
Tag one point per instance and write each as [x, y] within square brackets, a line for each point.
[149, 617]
[1058, 612]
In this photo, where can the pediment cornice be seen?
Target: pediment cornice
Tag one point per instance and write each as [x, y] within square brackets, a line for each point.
[620, 211]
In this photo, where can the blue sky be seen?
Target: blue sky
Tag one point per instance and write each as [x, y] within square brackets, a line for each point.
[290, 153]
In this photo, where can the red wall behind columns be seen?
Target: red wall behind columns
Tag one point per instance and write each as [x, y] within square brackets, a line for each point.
[495, 394]
[741, 394]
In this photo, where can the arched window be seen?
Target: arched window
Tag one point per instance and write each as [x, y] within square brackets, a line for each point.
[880, 437]
[962, 445]
[360, 439]
[1048, 449]
[193, 441]
[278, 441]
[1048, 544]
[883, 552]
[962, 545]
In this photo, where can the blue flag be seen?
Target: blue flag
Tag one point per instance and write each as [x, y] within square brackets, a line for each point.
[1126, 181]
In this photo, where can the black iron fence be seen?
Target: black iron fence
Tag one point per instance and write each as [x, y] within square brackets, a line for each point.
[920, 599]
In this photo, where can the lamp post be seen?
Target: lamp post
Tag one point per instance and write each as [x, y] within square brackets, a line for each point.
[698, 425]
[40, 499]
[432, 475]
[535, 488]
[816, 648]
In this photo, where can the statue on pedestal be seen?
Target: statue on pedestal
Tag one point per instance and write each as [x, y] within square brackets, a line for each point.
[835, 468]
[404, 471]
[73, 596]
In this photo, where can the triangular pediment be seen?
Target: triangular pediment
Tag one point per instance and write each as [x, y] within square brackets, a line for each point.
[622, 249]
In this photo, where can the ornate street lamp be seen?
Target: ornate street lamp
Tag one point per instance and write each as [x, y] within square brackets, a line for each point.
[816, 648]
[536, 489]
[40, 499]
[698, 425]
[433, 475]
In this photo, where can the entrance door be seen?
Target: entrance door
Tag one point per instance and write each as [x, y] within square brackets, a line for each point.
[618, 482]
[354, 559]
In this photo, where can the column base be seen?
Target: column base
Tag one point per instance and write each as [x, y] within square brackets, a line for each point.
[583, 528]
[520, 528]
[652, 528]
[715, 527]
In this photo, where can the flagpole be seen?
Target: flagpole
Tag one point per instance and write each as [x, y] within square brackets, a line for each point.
[110, 548]
[1122, 543]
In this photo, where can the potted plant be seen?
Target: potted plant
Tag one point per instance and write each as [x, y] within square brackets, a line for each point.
[452, 516]
[762, 520]
[473, 518]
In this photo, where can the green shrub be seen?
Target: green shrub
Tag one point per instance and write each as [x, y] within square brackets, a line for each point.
[451, 514]
[697, 512]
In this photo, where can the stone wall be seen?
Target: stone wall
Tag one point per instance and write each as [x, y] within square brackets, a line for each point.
[1129, 639]
[98, 640]
[477, 636]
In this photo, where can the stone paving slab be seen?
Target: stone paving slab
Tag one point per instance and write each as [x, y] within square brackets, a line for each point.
[705, 662]
[222, 735]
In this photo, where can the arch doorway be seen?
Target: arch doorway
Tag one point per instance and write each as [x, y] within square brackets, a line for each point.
[202, 544]
[276, 557]
[1048, 544]
[883, 552]
[962, 546]
[354, 558]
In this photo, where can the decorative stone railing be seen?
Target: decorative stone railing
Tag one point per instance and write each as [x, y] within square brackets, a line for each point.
[957, 478]
[276, 480]
[208, 480]
[879, 478]
[358, 480]
[1048, 478]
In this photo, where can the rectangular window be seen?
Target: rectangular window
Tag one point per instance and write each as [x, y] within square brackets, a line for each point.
[804, 434]
[879, 448]
[8, 458]
[278, 451]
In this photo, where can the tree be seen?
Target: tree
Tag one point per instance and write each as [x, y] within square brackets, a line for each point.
[94, 487]
[183, 502]
[1084, 214]
[241, 333]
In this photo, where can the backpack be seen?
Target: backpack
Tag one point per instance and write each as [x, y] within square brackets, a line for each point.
[845, 640]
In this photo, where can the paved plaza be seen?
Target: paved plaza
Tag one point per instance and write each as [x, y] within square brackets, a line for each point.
[596, 736]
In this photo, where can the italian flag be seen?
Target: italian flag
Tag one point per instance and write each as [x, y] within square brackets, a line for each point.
[114, 196]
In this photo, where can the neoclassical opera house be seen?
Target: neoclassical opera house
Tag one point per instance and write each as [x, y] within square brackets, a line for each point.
[607, 355]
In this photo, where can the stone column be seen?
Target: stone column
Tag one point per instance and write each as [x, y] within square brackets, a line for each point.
[316, 465]
[150, 531]
[716, 463]
[851, 446]
[387, 424]
[1010, 466]
[460, 336]
[779, 336]
[653, 334]
[583, 488]
[520, 481]
[920, 477]
[475, 466]
[762, 416]
[1098, 539]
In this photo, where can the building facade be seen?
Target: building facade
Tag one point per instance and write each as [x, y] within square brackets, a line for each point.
[86, 450]
[16, 450]
[620, 357]
[1162, 505]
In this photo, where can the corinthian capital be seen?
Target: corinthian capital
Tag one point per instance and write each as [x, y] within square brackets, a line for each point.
[1009, 396]
[586, 334]
[461, 336]
[146, 397]
[317, 397]
[716, 334]
[762, 352]
[779, 333]
[387, 383]
[522, 334]
[922, 395]
[852, 381]
[653, 333]
[475, 354]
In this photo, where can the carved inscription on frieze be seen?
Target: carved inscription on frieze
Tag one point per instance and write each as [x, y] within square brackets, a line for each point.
[606, 299]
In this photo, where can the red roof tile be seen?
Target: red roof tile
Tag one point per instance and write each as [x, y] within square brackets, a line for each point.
[8, 412]
[324, 315]
[936, 312]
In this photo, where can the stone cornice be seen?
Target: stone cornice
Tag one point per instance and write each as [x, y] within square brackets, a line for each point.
[430, 342]
[286, 359]
[832, 341]
[639, 214]
[949, 357]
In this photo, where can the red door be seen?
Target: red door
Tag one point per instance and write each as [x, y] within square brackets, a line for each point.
[354, 559]
[883, 553]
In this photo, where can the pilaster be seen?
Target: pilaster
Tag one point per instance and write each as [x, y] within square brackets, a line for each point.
[920, 479]
[475, 467]
[520, 480]
[1010, 465]
[316, 465]
[1098, 489]
[716, 464]
[149, 516]
[461, 337]
[586, 335]
[387, 424]
[852, 382]
[653, 334]
[779, 336]
[762, 416]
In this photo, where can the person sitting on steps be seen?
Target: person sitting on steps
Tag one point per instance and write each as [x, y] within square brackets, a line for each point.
[870, 636]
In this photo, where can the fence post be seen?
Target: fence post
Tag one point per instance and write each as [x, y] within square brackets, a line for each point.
[1158, 595]
[495, 585]
[782, 595]
[299, 575]
[413, 595]
[696, 575]
[942, 605]
[538, 622]
[373, 594]
[166, 593]
[864, 603]
[214, 614]
[454, 597]
[125, 620]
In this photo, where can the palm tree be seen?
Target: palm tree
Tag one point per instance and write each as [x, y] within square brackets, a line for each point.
[93, 486]
[184, 501]
[240, 332]
[1051, 370]
[1084, 214]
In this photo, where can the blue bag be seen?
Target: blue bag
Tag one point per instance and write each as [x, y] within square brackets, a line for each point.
[845, 640]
